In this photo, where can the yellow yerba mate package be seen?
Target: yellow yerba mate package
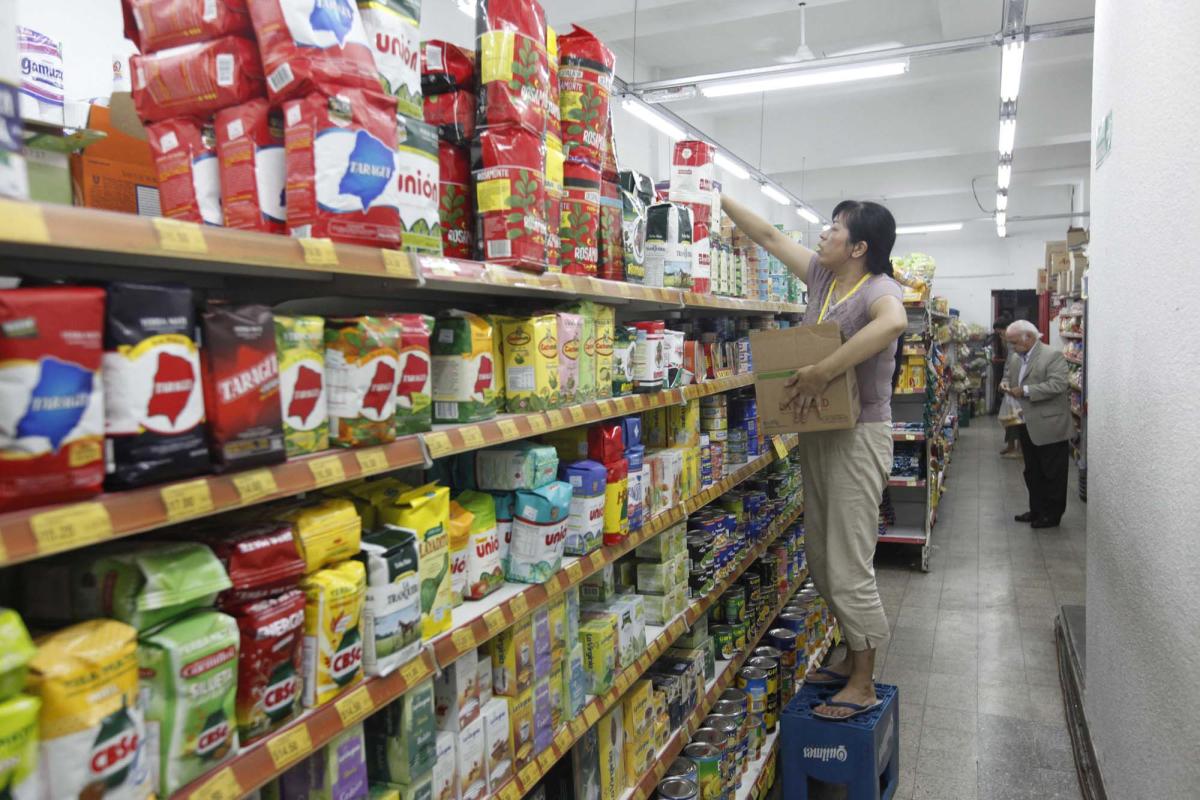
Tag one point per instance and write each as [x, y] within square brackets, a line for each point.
[531, 380]
[93, 739]
[326, 532]
[300, 345]
[333, 648]
[425, 512]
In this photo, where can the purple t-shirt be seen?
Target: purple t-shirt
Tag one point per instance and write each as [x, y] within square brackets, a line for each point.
[852, 314]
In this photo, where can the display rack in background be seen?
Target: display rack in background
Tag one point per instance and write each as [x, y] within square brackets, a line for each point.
[1065, 296]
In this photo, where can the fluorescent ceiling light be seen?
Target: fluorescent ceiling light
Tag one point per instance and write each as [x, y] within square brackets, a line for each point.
[826, 227]
[937, 228]
[1004, 176]
[776, 195]
[1001, 201]
[653, 118]
[1010, 70]
[1002, 231]
[732, 167]
[798, 80]
[1008, 136]
[808, 215]
[1001, 219]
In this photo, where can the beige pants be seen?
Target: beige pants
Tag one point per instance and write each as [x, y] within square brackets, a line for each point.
[844, 475]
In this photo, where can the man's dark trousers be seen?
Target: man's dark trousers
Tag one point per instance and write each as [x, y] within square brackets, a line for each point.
[1046, 477]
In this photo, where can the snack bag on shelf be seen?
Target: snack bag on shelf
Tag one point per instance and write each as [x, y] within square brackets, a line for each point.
[241, 381]
[51, 395]
[514, 76]
[333, 648]
[539, 533]
[153, 396]
[585, 78]
[189, 174]
[251, 157]
[87, 679]
[361, 370]
[300, 344]
[341, 168]
[485, 572]
[155, 25]
[414, 387]
[580, 218]
[196, 80]
[448, 85]
[393, 30]
[531, 363]
[417, 186]
[464, 370]
[510, 197]
[315, 47]
[269, 663]
[455, 209]
[425, 511]
[392, 616]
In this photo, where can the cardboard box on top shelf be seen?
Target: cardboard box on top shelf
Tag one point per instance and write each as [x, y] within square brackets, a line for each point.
[116, 173]
[1053, 251]
[1077, 238]
[777, 355]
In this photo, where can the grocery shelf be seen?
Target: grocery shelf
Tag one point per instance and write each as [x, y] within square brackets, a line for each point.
[907, 483]
[909, 393]
[36, 532]
[1070, 335]
[1072, 359]
[902, 534]
[261, 761]
[528, 777]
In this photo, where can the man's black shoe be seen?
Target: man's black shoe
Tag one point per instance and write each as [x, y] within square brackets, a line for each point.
[1026, 517]
[1045, 523]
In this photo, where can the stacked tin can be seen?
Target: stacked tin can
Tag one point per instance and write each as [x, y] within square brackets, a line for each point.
[706, 462]
[726, 543]
[743, 427]
[702, 564]
[714, 417]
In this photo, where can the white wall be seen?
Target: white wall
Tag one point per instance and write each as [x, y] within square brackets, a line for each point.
[1143, 631]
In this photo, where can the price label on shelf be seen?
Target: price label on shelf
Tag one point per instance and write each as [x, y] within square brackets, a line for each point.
[494, 620]
[222, 786]
[529, 775]
[179, 236]
[464, 639]
[519, 605]
[327, 469]
[439, 444]
[556, 418]
[623, 681]
[553, 587]
[590, 714]
[575, 572]
[414, 671]
[472, 436]
[354, 706]
[292, 745]
[625, 289]
[397, 264]
[255, 485]
[508, 428]
[22, 222]
[537, 423]
[546, 760]
[510, 791]
[184, 500]
[563, 740]
[372, 460]
[319, 252]
[577, 414]
[781, 449]
[578, 727]
[71, 527]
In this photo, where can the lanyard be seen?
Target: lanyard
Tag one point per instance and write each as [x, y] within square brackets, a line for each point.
[829, 294]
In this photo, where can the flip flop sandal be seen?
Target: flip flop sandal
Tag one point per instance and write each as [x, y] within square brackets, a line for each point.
[834, 679]
[855, 709]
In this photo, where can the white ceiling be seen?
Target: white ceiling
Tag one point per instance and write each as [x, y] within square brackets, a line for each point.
[916, 141]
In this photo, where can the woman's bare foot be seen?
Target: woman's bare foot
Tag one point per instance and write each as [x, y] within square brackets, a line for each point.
[862, 695]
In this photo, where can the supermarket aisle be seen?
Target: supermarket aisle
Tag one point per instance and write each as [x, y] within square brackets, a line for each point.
[972, 646]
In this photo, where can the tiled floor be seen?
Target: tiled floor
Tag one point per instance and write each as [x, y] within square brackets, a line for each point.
[972, 645]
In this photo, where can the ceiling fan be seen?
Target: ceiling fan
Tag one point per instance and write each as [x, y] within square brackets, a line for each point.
[805, 53]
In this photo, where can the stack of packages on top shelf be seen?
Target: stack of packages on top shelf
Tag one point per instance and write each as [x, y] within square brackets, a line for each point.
[448, 81]
[694, 187]
[509, 151]
[590, 243]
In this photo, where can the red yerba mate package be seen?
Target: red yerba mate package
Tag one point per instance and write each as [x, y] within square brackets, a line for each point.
[448, 84]
[454, 115]
[51, 396]
[580, 217]
[155, 25]
[315, 45]
[514, 73]
[196, 80]
[455, 209]
[241, 387]
[585, 76]
[611, 259]
[341, 169]
[269, 662]
[510, 198]
[553, 111]
[189, 174]
[251, 156]
[261, 561]
[153, 393]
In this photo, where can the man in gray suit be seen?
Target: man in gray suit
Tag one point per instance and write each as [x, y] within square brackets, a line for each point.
[1037, 377]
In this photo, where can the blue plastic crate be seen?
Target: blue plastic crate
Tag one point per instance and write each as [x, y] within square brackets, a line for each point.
[861, 753]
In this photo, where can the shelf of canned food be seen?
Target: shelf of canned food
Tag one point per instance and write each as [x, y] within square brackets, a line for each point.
[473, 624]
[38, 532]
[65, 234]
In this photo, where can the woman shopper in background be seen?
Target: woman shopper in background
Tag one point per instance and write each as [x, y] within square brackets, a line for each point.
[850, 282]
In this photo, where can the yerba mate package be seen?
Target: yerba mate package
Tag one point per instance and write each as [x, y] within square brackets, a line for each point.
[585, 75]
[241, 387]
[93, 739]
[485, 571]
[261, 561]
[341, 168]
[510, 197]
[393, 32]
[19, 746]
[300, 346]
[325, 532]
[269, 662]
[51, 395]
[414, 385]
[196, 80]
[514, 75]
[360, 370]
[425, 512]
[156, 25]
[417, 188]
[531, 363]
[333, 649]
[448, 85]
[464, 371]
[153, 397]
[579, 218]
[454, 199]
[189, 172]
[250, 149]
[401, 739]
[540, 520]
[392, 616]
[187, 672]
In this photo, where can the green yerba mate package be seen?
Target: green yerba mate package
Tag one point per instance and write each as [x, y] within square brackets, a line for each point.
[188, 678]
[19, 746]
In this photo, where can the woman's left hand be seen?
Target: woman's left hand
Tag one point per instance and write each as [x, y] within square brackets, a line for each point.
[807, 384]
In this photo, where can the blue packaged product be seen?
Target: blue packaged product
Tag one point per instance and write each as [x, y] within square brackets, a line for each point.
[635, 492]
[585, 525]
[504, 521]
[539, 533]
[543, 716]
[632, 430]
